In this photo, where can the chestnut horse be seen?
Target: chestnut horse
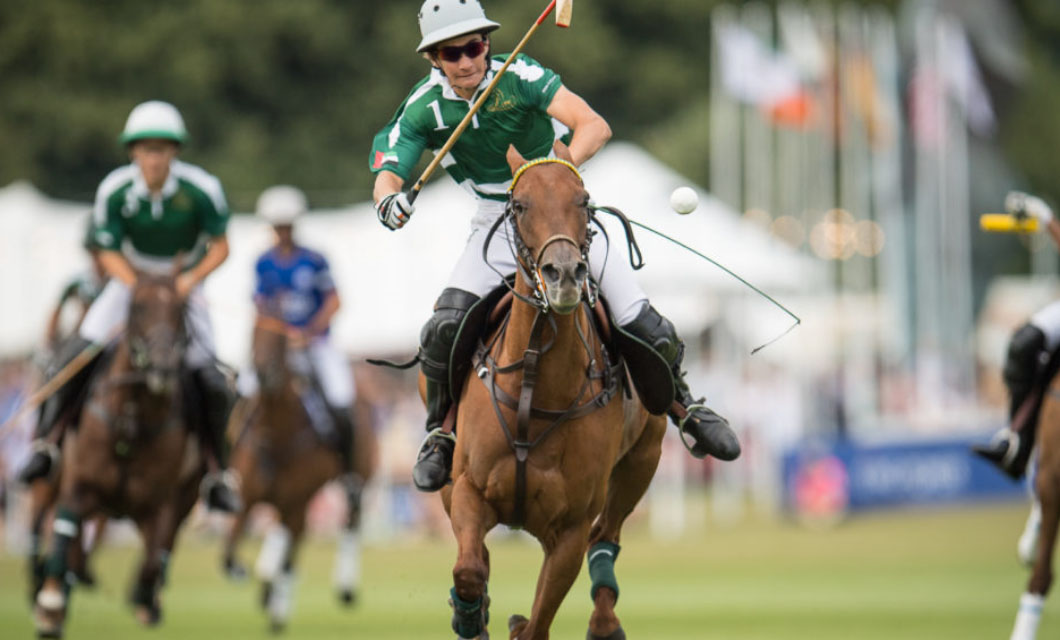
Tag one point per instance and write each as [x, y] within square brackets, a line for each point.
[1038, 542]
[131, 454]
[550, 443]
[282, 461]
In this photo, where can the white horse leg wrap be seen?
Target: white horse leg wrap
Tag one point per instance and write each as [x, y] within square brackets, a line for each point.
[347, 573]
[273, 551]
[281, 600]
[1027, 547]
[64, 527]
[1030, 614]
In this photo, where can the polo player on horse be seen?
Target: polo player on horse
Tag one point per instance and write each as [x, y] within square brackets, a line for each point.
[530, 108]
[147, 215]
[1031, 363]
[294, 284]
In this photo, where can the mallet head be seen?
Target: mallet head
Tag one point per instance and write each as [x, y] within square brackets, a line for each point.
[564, 8]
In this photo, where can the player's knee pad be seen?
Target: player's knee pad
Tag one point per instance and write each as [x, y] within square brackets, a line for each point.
[438, 335]
[1024, 356]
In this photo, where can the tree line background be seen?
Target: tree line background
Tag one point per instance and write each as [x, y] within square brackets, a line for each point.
[293, 91]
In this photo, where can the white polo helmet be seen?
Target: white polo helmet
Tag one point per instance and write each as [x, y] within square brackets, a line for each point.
[444, 19]
[154, 119]
[280, 205]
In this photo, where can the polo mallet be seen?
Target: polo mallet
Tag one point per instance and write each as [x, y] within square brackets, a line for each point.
[1008, 223]
[54, 383]
[563, 16]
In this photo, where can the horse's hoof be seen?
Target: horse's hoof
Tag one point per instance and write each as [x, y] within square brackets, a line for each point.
[86, 578]
[347, 597]
[266, 595]
[234, 570]
[516, 624]
[617, 634]
[148, 616]
[49, 623]
[277, 626]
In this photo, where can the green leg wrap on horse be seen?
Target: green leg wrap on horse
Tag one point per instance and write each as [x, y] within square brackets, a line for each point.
[468, 618]
[64, 530]
[602, 556]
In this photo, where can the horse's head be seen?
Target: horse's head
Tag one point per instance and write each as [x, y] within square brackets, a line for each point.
[155, 334]
[269, 347]
[549, 207]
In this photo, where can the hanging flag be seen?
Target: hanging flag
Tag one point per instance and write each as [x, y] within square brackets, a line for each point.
[964, 81]
[754, 74]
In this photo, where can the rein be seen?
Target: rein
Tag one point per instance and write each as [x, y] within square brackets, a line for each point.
[125, 423]
[488, 369]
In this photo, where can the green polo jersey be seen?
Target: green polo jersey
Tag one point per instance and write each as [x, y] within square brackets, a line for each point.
[190, 209]
[515, 113]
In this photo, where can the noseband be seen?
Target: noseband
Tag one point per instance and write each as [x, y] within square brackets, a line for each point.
[528, 261]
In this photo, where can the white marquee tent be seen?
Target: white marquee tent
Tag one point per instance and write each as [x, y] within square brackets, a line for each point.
[388, 281]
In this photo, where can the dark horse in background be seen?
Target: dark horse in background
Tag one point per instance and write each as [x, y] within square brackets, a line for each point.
[132, 454]
[552, 438]
[283, 461]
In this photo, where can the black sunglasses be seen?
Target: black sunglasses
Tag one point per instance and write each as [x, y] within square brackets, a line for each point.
[472, 49]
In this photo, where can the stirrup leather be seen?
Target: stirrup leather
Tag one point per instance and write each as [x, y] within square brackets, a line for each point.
[688, 415]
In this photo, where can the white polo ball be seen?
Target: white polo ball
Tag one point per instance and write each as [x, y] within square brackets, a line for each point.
[684, 200]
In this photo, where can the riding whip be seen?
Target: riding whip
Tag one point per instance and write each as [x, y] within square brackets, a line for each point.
[717, 264]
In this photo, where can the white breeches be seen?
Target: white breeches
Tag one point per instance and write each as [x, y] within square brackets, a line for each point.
[333, 371]
[1048, 320]
[325, 361]
[108, 314]
[617, 283]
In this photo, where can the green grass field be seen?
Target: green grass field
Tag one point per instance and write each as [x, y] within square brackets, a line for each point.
[938, 574]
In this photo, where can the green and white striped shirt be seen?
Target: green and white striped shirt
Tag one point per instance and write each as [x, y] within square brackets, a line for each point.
[515, 113]
[151, 231]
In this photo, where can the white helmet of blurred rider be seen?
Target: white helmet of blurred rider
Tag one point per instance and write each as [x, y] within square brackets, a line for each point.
[281, 205]
[154, 119]
[441, 20]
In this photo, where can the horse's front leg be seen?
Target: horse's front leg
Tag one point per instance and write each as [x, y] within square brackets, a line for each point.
[279, 594]
[232, 568]
[347, 572]
[43, 494]
[563, 561]
[75, 503]
[1030, 609]
[147, 606]
[471, 518]
[629, 480]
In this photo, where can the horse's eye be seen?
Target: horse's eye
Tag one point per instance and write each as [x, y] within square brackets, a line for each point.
[518, 208]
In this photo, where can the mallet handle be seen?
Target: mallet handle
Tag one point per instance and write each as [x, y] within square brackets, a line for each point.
[49, 388]
[1007, 223]
[415, 191]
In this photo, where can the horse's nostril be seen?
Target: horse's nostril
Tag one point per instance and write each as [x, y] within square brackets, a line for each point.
[550, 273]
[581, 272]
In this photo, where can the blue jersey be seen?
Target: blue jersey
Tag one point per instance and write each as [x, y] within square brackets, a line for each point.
[293, 286]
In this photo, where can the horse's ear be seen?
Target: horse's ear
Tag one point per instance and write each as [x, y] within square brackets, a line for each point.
[562, 151]
[515, 159]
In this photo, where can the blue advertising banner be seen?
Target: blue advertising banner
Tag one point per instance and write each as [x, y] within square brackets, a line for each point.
[840, 476]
